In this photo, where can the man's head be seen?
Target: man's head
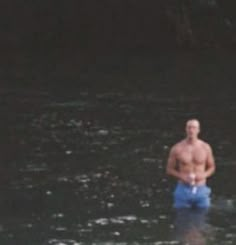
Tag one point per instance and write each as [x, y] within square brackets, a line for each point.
[192, 128]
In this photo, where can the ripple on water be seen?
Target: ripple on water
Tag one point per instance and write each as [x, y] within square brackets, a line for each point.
[28, 226]
[60, 228]
[114, 220]
[167, 243]
[144, 204]
[223, 205]
[64, 131]
[63, 242]
[63, 179]
[103, 132]
[82, 178]
[149, 160]
[59, 215]
[148, 221]
[230, 236]
[35, 168]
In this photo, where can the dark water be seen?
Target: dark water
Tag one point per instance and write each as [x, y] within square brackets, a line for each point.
[90, 169]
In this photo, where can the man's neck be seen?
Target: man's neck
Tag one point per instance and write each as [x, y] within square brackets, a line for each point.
[192, 141]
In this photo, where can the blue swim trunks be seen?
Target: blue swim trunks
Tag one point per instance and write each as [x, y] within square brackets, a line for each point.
[187, 196]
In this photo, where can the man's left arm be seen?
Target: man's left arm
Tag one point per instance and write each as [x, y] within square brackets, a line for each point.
[210, 163]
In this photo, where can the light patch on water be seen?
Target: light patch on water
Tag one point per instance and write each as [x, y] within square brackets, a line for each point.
[97, 175]
[116, 233]
[29, 226]
[49, 193]
[133, 243]
[63, 242]
[82, 178]
[102, 221]
[113, 142]
[59, 215]
[224, 204]
[59, 228]
[148, 221]
[128, 218]
[117, 221]
[144, 204]
[149, 160]
[113, 220]
[115, 243]
[230, 236]
[68, 152]
[63, 179]
[162, 216]
[165, 147]
[167, 243]
[35, 168]
[164, 180]
[29, 186]
[140, 150]
[74, 123]
[84, 230]
[81, 104]
[116, 130]
[110, 204]
[122, 138]
[94, 197]
[103, 132]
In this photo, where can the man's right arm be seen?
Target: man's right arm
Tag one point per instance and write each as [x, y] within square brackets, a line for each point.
[171, 168]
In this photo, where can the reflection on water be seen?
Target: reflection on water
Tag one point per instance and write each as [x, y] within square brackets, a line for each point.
[191, 226]
[91, 170]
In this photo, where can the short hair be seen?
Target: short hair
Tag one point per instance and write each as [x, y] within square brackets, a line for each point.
[193, 120]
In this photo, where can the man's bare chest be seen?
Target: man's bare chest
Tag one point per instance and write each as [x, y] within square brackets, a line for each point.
[196, 156]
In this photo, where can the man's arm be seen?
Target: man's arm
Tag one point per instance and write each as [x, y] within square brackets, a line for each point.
[171, 166]
[210, 166]
[210, 163]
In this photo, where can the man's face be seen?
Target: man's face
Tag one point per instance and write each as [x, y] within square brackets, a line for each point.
[192, 128]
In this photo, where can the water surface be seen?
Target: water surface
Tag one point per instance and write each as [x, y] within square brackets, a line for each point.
[90, 169]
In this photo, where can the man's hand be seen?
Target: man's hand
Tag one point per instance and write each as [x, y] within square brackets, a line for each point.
[186, 178]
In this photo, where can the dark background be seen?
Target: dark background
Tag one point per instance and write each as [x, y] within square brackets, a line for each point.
[48, 45]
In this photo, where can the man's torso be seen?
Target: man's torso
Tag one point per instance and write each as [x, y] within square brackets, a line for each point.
[191, 159]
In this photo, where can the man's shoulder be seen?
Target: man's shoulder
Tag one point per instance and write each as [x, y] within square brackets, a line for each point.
[178, 145]
[205, 145]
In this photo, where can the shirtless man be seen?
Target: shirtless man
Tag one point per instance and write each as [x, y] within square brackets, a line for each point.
[191, 161]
